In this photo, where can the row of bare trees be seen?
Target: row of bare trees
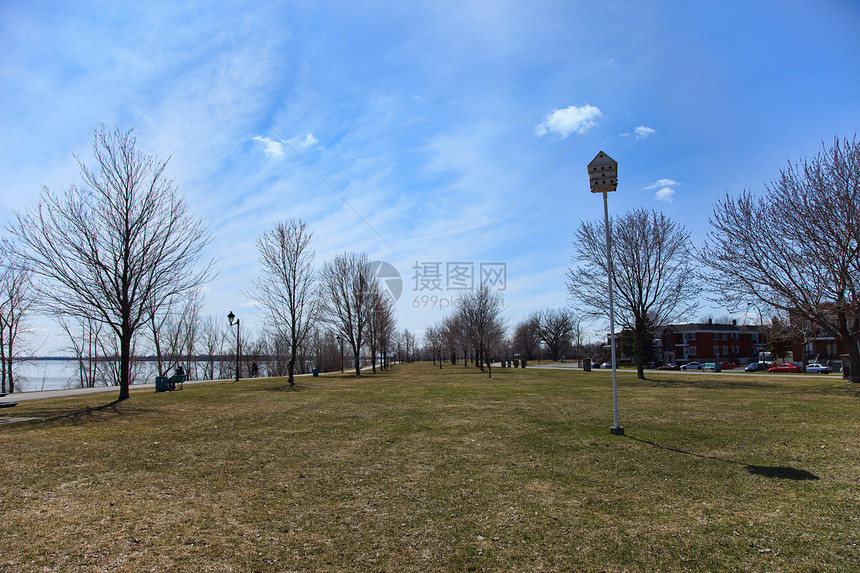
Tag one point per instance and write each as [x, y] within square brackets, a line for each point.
[345, 297]
[475, 327]
[117, 261]
[560, 329]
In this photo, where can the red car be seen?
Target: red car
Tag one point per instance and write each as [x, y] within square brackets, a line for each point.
[727, 365]
[784, 368]
[669, 367]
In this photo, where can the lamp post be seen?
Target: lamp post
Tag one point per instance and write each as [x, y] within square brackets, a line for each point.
[340, 341]
[603, 178]
[232, 317]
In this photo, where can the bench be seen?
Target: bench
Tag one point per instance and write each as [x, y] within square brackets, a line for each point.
[709, 365]
[174, 380]
[163, 383]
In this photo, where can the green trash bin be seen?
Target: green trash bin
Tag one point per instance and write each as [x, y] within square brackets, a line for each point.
[161, 383]
[316, 372]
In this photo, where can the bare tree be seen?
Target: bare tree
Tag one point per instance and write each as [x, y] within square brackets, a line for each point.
[212, 337]
[380, 324]
[347, 288]
[285, 287]
[407, 340]
[481, 322]
[526, 337]
[116, 248]
[653, 277]
[556, 327]
[450, 336]
[84, 346]
[796, 246]
[386, 325]
[16, 303]
[434, 342]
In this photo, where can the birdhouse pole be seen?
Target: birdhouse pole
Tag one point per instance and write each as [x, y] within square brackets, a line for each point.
[603, 178]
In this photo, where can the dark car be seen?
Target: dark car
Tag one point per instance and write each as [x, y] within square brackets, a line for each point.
[669, 367]
[754, 367]
[785, 367]
[693, 366]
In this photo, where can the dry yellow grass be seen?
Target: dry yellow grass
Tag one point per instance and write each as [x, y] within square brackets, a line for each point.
[419, 469]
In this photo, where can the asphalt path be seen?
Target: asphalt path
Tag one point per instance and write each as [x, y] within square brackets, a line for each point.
[732, 372]
[43, 394]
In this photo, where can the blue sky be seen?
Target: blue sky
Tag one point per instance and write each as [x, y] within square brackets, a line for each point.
[430, 132]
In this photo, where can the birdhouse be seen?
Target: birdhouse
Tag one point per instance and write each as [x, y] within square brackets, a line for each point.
[603, 173]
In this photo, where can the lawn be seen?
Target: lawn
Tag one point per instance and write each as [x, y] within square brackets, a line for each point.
[422, 469]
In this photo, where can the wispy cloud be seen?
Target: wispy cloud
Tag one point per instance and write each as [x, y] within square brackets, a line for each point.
[663, 183]
[666, 194]
[643, 131]
[271, 147]
[569, 120]
[665, 191]
[309, 140]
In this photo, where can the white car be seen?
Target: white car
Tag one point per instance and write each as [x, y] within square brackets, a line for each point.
[818, 368]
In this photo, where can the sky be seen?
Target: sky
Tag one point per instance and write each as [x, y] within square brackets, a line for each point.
[448, 139]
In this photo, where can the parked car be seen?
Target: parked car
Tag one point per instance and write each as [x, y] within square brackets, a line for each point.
[727, 365]
[785, 367]
[669, 367]
[693, 366]
[818, 368]
[606, 365]
[595, 364]
[754, 367]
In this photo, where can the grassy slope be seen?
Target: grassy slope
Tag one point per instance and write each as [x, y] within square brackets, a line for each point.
[421, 469]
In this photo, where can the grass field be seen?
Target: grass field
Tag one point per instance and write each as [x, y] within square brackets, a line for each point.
[421, 469]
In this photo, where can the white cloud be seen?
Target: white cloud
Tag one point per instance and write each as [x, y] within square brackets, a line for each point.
[309, 140]
[665, 194]
[271, 147]
[665, 191]
[642, 132]
[572, 119]
[663, 183]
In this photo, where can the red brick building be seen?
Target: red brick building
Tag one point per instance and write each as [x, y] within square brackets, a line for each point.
[709, 342]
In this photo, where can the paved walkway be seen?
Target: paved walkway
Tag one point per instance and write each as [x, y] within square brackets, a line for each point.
[42, 394]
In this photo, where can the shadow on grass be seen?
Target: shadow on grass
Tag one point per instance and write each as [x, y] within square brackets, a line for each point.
[710, 382]
[776, 472]
[81, 414]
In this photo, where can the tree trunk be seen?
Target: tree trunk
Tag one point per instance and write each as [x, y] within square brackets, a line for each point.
[124, 365]
[640, 353]
[854, 362]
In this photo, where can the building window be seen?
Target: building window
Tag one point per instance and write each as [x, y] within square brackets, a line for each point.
[725, 350]
[716, 336]
[725, 336]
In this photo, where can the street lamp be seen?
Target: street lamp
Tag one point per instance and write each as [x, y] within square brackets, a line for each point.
[232, 317]
[603, 178]
[340, 341]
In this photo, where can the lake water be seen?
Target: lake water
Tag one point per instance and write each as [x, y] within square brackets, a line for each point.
[35, 375]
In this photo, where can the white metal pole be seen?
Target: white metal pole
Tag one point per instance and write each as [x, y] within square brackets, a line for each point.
[616, 428]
